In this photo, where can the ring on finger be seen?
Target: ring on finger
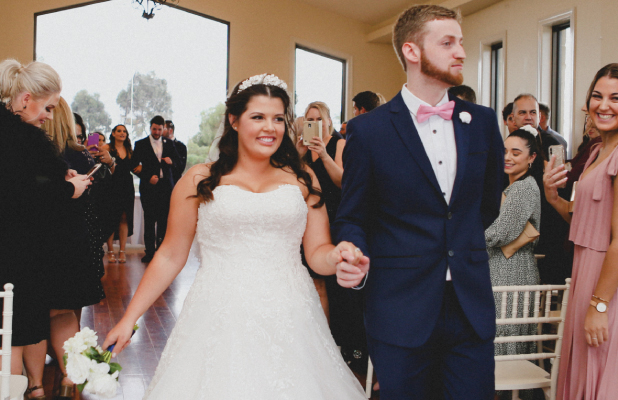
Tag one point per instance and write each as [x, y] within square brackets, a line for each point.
[357, 249]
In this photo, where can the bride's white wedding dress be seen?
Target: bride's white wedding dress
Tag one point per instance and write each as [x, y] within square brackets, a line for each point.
[252, 326]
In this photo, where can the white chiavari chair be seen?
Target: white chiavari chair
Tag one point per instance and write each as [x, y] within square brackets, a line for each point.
[12, 387]
[517, 372]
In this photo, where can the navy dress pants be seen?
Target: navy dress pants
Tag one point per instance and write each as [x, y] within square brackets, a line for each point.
[453, 364]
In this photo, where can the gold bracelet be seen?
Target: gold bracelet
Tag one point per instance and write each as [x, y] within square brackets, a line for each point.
[598, 298]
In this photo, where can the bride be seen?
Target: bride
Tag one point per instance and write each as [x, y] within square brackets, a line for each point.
[251, 326]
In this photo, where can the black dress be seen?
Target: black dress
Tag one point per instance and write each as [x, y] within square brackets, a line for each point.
[345, 305]
[75, 277]
[33, 192]
[122, 194]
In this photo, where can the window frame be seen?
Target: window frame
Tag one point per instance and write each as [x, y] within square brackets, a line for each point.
[344, 77]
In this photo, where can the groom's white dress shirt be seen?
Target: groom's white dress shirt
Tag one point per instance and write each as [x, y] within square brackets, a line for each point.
[438, 137]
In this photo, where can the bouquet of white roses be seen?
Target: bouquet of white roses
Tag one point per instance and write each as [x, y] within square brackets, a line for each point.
[89, 367]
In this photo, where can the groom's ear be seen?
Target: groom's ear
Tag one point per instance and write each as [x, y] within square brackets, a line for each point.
[412, 52]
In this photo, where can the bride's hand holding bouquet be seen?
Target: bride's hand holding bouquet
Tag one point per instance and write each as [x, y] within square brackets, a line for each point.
[352, 265]
[119, 337]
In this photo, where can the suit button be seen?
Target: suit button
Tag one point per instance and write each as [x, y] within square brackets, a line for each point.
[449, 215]
[451, 253]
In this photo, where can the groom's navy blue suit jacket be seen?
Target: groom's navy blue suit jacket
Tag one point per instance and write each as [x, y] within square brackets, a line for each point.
[392, 208]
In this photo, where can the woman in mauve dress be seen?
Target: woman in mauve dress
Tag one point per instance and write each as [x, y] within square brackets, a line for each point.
[589, 363]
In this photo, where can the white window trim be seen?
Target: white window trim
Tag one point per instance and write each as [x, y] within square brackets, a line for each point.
[349, 111]
[484, 73]
[544, 77]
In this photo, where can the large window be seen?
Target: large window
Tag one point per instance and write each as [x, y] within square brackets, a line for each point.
[320, 77]
[497, 77]
[562, 78]
[119, 68]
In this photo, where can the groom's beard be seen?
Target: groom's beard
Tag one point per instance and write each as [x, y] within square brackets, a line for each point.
[432, 71]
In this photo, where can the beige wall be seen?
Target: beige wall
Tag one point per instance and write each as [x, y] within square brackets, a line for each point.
[595, 39]
[262, 39]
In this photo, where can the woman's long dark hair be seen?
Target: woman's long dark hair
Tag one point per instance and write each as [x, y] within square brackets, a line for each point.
[126, 144]
[286, 155]
[531, 144]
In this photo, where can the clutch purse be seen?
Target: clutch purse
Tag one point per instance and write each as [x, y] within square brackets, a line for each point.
[529, 235]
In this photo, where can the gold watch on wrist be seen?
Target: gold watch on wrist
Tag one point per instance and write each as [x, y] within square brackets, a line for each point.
[599, 306]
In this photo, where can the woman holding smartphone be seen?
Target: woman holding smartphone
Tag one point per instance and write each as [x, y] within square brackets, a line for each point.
[589, 366]
[35, 184]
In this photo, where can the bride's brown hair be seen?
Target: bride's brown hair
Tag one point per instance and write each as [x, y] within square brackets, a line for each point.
[286, 155]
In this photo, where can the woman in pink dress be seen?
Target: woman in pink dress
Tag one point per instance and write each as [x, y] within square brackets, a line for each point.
[589, 366]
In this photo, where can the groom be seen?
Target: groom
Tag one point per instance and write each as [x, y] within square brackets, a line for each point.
[422, 181]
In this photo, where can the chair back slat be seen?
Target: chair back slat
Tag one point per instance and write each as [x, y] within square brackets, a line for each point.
[515, 305]
[7, 328]
[537, 302]
[503, 308]
[547, 303]
[526, 304]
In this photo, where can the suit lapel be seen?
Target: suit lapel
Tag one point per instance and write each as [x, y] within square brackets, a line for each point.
[402, 120]
[462, 142]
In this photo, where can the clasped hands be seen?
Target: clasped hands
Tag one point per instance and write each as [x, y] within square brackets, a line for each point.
[352, 265]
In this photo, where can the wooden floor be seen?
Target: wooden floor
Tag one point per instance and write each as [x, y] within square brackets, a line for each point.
[140, 359]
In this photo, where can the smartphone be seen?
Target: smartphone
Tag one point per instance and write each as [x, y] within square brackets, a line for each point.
[93, 169]
[93, 139]
[558, 151]
[311, 129]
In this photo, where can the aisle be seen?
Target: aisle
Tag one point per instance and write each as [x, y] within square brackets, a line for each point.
[139, 360]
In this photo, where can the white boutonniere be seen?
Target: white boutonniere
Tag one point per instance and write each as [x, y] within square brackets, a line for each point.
[465, 117]
[530, 129]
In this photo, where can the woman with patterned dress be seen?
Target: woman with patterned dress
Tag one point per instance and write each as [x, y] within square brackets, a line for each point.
[251, 326]
[522, 204]
[589, 365]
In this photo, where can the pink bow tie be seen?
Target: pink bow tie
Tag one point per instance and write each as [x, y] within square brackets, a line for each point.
[445, 111]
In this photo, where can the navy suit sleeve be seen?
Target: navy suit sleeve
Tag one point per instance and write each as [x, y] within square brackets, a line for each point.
[494, 174]
[354, 211]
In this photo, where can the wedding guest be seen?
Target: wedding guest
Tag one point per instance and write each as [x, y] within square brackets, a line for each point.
[36, 184]
[544, 114]
[382, 98]
[342, 130]
[464, 92]
[507, 118]
[590, 139]
[122, 192]
[181, 149]
[74, 276]
[555, 266]
[80, 129]
[158, 158]
[101, 144]
[364, 102]
[588, 367]
[521, 204]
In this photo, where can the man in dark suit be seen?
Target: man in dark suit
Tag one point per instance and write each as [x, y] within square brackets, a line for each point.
[181, 149]
[422, 181]
[157, 157]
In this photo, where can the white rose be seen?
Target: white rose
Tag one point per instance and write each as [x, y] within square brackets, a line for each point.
[465, 117]
[87, 336]
[74, 345]
[78, 367]
[103, 384]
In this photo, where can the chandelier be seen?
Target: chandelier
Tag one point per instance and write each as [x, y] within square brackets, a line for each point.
[149, 6]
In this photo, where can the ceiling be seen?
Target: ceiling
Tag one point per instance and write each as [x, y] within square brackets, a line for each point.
[374, 12]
